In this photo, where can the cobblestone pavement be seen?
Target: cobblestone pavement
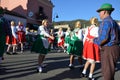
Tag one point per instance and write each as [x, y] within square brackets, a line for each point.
[23, 67]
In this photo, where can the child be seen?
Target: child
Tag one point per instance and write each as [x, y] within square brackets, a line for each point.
[14, 39]
[41, 45]
[75, 45]
[90, 50]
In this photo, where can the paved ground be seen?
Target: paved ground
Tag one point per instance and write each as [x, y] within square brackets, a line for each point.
[23, 67]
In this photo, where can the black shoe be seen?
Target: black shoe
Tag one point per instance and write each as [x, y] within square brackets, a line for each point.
[2, 58]
[71, 67]
[83, 75]
[8, 53]
[91, 78]
[14, 53]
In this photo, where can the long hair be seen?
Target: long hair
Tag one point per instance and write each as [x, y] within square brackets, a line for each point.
[94, 21]
[78, 24]
[43, 21]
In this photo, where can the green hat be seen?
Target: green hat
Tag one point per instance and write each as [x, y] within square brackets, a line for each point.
[106, 6]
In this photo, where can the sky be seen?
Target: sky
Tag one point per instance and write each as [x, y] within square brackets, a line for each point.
[68, 10]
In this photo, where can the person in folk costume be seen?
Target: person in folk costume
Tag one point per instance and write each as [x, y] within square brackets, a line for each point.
[67, 37]
[41, 45]
[14, 39]
[90, 50]
[60, 43]
[29, 38]
[21, 35]
[51, 41]
[27, 35]
[75, 45]
[4, 31]
[55, 43]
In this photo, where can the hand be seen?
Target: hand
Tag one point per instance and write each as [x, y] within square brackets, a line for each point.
[52, 37]
[100, 47]
[91, 40]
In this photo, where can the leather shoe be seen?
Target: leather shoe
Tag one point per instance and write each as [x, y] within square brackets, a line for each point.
[83, 75]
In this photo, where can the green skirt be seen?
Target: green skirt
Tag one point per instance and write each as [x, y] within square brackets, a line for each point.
[38, 47]
[75, 47]
[67, 39]
[2, 45]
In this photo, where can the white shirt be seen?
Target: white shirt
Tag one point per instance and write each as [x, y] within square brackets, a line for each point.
[14, 30]
[93, 32]
[21, 28]
[43, 31]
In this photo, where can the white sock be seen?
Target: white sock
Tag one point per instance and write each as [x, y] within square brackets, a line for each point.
[90, 75]
[39, 67]
[70, 64]
[84, 71]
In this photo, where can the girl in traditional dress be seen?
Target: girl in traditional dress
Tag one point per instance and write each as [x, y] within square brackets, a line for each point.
[21, 35]
[14, 39]
[90, 50]
[67, 37]
[41, 45]
[75, 45]
[51, 41]
[60, 34]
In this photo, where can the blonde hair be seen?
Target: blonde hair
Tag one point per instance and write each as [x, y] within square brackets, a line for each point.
[12, 23]
[94, 21]
[78, 24]
[20, 23]
[60, 29]
[44, 21]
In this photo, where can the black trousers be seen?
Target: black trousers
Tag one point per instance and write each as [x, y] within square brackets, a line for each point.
[109, 57]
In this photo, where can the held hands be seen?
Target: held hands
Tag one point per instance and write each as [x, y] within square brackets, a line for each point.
[91, 40]
[52, 37]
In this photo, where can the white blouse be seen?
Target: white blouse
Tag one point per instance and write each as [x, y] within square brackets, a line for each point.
[93, 32]
[14, 30]
[43, 31]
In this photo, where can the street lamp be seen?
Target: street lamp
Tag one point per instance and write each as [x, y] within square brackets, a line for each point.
[54, 17]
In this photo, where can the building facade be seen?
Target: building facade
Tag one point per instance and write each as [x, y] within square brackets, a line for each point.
[34, 10]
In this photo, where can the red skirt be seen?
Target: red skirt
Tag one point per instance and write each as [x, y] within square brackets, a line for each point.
[21, 36]
[13, 42]
[91, 51]
[61, 42]
[50, 40]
